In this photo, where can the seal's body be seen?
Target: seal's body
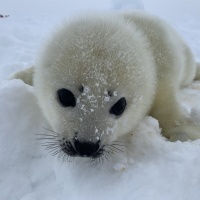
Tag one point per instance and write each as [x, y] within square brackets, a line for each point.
[98, 76]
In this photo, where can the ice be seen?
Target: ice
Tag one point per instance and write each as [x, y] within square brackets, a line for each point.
[149, 168]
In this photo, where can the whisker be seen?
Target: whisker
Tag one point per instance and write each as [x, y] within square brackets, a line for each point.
[44, 134]
[63, 158]
[105, 156]
[114, 152]
[92, 162]
[47, 141]
[50, 142]
[102, 160]
[51, 131]
[117, 149]
[47, 135]
[50, 146]
[96, 161]
[43, 137]
[120, 142]
[121, 145]
[54, 152]
[60, 155]
[110, 152]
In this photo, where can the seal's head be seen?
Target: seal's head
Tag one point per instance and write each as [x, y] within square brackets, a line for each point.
[90, 83]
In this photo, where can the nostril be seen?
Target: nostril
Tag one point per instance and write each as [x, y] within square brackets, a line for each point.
[86, 148]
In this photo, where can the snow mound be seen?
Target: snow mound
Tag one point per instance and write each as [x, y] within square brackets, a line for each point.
[150, 167]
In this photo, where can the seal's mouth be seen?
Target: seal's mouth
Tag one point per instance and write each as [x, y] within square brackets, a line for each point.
[66, 150]
[82, 149]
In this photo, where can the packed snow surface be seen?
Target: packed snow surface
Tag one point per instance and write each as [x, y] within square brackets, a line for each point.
[150, 166]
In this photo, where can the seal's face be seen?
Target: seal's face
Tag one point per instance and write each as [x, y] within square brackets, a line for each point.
[86, 114]
[88, 84]
[88, 136]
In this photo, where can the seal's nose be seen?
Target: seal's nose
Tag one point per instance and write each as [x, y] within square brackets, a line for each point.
[86, 149]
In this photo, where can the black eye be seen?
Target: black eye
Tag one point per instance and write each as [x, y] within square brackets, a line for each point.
[66, 97]
[119, 107]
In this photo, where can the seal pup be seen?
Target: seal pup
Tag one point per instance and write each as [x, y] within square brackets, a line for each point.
[99, 75]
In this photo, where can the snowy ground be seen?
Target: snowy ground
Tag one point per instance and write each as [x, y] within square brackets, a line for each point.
[153, 168]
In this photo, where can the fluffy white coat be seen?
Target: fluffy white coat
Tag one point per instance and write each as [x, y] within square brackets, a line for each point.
[133, 55]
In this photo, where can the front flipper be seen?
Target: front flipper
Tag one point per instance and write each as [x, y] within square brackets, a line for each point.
[25, 75]
[185, 132]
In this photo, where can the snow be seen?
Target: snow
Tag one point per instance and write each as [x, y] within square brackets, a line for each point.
[150, 167]
[173, 10]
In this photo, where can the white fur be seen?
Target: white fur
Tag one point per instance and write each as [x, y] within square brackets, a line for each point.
[133, 55]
